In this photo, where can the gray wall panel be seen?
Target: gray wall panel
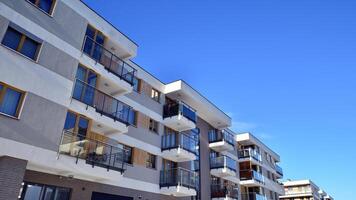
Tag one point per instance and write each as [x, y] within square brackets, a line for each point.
[40, 124]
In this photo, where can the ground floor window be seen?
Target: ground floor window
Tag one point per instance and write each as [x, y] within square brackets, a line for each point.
[35, 191]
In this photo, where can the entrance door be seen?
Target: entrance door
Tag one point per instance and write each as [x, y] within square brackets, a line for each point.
[103, 196]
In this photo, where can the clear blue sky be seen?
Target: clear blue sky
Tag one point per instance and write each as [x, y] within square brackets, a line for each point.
[283, 69]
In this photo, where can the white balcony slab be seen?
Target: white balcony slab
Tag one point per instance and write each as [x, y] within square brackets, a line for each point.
[179, 123]
[178, 155]
[221, 146]
[223, 172]
[178, 191]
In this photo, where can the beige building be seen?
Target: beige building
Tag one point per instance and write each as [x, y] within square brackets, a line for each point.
[303, 190]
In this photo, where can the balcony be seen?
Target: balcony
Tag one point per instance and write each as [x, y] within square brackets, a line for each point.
[94, 152]
[279, 170]
[251, 178]
[179, 116]
[222, 192]
[249, 154]
[179, 147]
[253, 196]
[222, 166]
[178, 182]
[221, 140]
[107, 112]
[111, 63]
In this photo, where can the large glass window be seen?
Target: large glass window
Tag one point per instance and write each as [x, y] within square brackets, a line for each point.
[10, 100]
[153, 126]
[21, 43]
[85, 85]
[76, 124]
[132, 117]
[93, 43]
[45, 5]
[34, 191]
[155, 95]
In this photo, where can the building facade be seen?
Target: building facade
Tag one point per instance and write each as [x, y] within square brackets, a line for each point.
[303, 190]
[258, 168]
[80, 120]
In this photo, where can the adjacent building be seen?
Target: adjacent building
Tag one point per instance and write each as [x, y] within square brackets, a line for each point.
[80, 120]
[258, 168]
[303, 190]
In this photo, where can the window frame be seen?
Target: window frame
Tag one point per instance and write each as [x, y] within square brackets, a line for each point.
[151, 164]
[153, 126]
[19, 47]
[20, 103]
[78, 116]
[155, 95]
[37, 3]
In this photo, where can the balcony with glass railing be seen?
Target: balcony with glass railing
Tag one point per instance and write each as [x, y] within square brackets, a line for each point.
[93, 152]
[108, 60]
[222, 166]
[178, 182]
[279, 170]
[179, 147]
[228, 192]
[253, 196]
[251, 178]
[249, 154]
[221, 140]
[179, 116]
[103, 108]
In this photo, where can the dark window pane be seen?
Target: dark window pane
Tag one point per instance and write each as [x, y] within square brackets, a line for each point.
[83, 126]
[33, 1]
[12, 38]
[135, 84]
[49, 193]
[90, 32]
[62, 194]
[29, 48]
[46, 5]
[70, 121]
[32, 192]
[81, 72]
[10, 102]
[100, 38]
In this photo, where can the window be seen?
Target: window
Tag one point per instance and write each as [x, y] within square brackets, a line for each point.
[271, 194]
[11, 100]
[76, 124]
[151, 161]
[155, 95]
[93, 42]
[136, 84]
[128, 155]
[21, 43]
[84, 89]
[133, 117]
[45, 5]
[153, 126]
[31, 191]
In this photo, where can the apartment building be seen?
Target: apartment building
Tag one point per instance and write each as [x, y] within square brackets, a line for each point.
[80, 120]
[259, 169]
[303, 190]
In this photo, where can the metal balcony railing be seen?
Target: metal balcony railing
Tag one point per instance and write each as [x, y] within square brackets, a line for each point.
[94, 152]
[223, 191]
[179, 108]
[178, 177]
[222, 162]
[253, 196]
[250, 153]
[179, 140]
[221, 135]
[279, 170]
[103, 103]
[109, 60]
[252, 175]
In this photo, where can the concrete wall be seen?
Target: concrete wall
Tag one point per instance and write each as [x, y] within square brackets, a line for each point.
[83, 189]
[40, 124]
[12, 171]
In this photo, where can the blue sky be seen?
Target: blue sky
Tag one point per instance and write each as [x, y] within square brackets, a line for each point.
[284, 70]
